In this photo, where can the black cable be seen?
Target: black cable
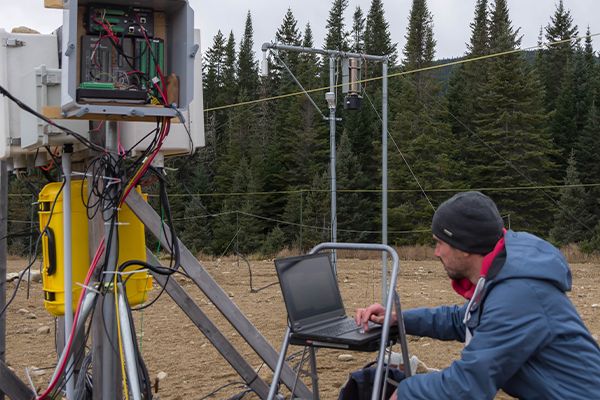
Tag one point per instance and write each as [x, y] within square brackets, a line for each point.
[242, 384]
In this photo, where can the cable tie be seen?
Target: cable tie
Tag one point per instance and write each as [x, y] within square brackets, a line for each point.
[93, 289]
[125, 272]
[116, 223]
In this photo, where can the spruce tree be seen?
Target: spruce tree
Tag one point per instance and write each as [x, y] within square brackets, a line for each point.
[587, 153]
[336, 37]
[422, 137]
[467, 79]
[357, 36]
[555, 58]
[247, 65]
[511, 146]
[351, 206]
[572, 221]
[378, 40]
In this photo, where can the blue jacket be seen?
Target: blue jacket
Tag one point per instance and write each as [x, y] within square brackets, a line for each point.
[527, 336]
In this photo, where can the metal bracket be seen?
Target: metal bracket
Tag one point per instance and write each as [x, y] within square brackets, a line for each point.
[11, 42]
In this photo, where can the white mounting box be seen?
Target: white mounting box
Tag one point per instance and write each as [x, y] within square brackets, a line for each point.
[29, 71]
[180, 52]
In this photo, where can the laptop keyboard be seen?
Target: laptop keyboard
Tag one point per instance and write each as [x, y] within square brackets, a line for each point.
[338, 329]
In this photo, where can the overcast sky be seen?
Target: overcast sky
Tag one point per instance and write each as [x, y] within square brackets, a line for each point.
[451, 18]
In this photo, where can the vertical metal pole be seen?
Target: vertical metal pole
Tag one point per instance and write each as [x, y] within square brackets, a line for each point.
[109, 359]
[68, 260]
[332, 62]
[3, 257]
[384, 178]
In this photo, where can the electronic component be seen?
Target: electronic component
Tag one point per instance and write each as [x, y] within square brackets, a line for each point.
[122, 21]
[106, 71]
[148, 58]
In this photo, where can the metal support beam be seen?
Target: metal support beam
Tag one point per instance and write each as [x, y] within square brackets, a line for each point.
[3, 261]
[210, 330]
[384, 179]
[214, 292]
[332, 151]
[12, 386]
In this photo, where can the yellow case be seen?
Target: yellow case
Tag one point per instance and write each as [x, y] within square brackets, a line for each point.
[132, 246]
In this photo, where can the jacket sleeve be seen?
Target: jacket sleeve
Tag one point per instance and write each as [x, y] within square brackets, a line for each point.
[443, 323]
[513, 326]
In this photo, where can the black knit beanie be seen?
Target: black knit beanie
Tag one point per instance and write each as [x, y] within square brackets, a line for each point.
[468, 221]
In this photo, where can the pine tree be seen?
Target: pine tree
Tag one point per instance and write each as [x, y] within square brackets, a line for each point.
[247, 65]
[555, 58]
[378, 40]
[512, 147]
[357, 35]
[422, 137]
[337, 37]
[466, 80]
[587, 153]
[351, 206]
[572, 221]
[214, 61]
[563, 122]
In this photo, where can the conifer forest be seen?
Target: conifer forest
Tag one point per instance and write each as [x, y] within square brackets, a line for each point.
[522, 126]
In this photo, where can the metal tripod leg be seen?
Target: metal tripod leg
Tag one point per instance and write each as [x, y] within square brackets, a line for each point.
[279, 365]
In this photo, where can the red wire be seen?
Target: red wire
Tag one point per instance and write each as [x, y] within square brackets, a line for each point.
[61, 368]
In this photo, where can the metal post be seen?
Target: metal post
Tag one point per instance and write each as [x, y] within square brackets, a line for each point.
[384, 178]
[332, 62]
[68, 259]
[3, 249]
[110, 366]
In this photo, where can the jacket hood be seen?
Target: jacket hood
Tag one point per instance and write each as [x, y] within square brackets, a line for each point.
[530, 257]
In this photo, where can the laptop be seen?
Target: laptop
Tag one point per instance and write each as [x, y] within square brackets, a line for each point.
[315, 309]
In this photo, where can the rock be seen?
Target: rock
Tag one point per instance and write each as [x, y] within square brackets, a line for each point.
[35, 371]
[595, 337]
[43, 330]
[161, 375]
[345, 357]
[22, 311]
[35, 276]
[231, 294]
[23, 29]
[595, 305]
[31, 316]
[12, 276]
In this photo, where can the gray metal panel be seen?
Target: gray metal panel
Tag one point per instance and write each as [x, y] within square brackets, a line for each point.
[179, 58]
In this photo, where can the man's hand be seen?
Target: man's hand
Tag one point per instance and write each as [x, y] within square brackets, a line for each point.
[375, 312]
[394, 395]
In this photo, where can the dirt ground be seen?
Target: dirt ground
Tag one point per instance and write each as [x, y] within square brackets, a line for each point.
[172, 344]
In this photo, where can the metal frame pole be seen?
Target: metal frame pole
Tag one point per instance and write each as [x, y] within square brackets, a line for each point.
[110, 365]
[3, 257]
[68, 260]
[384, 178]
[332, 150]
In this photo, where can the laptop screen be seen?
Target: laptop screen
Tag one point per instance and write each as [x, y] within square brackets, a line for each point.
[309, 287]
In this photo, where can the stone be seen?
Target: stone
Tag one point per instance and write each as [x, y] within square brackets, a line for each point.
[35, 371]
[43, 330]
[345, 357]
[161, 375]
[31, 316]
[23, 311]
[12, 276]
[35, 276]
